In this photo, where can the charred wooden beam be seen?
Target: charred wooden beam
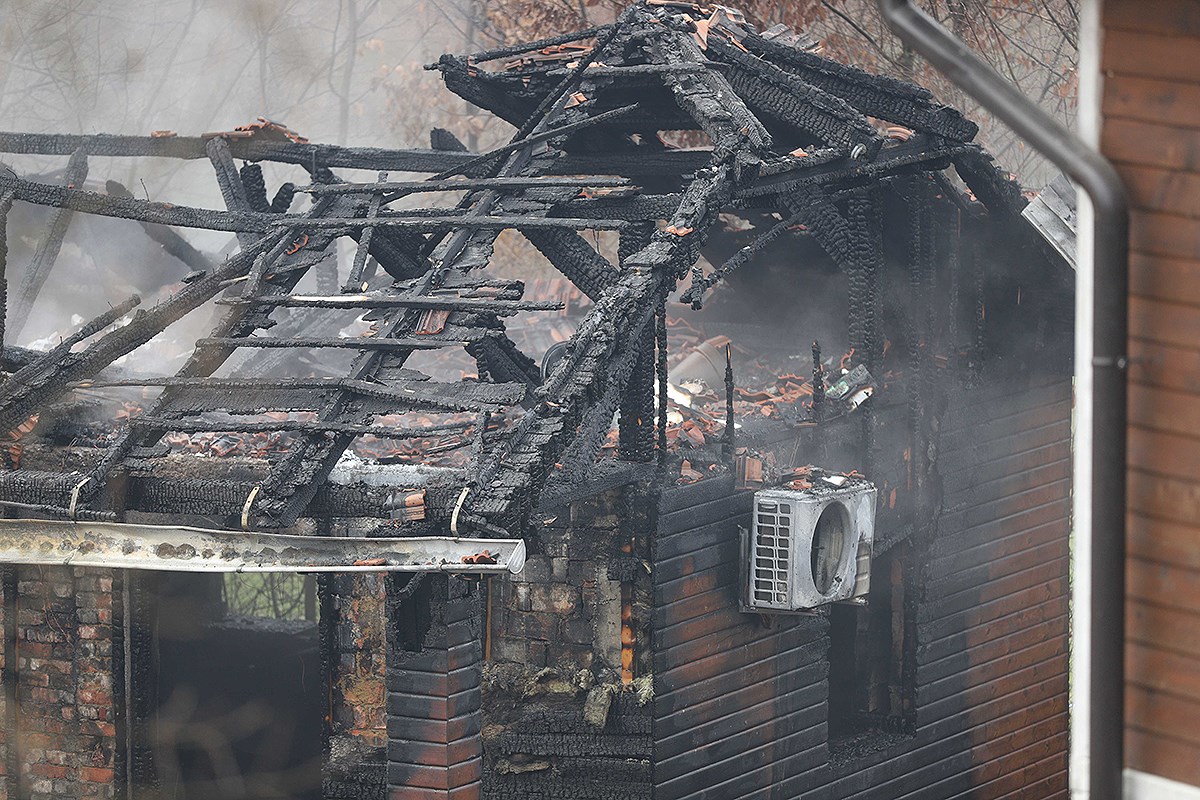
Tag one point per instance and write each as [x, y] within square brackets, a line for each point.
[790, 176]
[47, 252]
[794, 103]
[707, 97]
[394, 190]
[879, 96]
[377, 300]
[233, 191]
[140, 210]
[249, 149]
[251, 396]
[571, 255]
[157, 423]
[431, 341]
[6, 201]
[535, 138]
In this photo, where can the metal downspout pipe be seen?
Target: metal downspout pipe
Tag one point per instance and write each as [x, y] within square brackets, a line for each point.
[1105, 511]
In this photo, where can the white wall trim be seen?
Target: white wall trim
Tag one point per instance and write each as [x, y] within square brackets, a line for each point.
[1144, 786]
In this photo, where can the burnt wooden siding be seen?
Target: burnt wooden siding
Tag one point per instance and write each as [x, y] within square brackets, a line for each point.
[739, 705]
[1151, 131]
[740, 708]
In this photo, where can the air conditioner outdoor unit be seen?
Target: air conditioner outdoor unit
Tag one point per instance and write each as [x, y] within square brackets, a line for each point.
[809, 547]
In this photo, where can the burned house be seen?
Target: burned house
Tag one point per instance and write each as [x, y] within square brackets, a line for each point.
[506, 597]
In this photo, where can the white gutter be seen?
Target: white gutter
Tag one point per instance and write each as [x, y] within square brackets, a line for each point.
[180, 549]
[1088, 122]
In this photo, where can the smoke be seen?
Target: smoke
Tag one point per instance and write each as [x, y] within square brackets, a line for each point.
[338, 71]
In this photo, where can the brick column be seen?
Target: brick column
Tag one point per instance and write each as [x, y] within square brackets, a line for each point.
[434, 713]
[64, 690]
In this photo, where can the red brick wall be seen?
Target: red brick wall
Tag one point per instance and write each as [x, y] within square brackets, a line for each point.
[65, 731]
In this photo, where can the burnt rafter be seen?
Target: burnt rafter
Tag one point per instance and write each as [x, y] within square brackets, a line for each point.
[797, 143]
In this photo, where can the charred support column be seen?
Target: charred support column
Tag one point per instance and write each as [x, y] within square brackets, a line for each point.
[6, 201]
[434, 711]
[637, 406]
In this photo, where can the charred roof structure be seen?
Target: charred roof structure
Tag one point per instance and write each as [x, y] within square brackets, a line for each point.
[622, 662]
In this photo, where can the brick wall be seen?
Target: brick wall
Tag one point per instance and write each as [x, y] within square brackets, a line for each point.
[65, 736]
[566, 711]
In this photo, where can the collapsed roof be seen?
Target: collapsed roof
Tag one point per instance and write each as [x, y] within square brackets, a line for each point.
[789, 133]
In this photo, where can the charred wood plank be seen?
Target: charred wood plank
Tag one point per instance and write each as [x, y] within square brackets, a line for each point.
[139, 210]
[446, 222]
[6, 201]
[537, 44]
[275, 425]
[431, 341]
[571, 255]
[877, 96]
[394, 190]
[485, 305]
[633, 163]
[636, 208]
[535, 138]
[233, 191]
[250, 396]
[784, 178]
[250, 149]
[768, 89]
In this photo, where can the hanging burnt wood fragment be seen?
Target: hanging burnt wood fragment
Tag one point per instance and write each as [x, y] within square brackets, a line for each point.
[46, 254]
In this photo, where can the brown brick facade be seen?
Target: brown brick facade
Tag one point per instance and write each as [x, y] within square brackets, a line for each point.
[65, 732]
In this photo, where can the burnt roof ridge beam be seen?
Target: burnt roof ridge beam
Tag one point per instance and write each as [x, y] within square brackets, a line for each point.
[797, 103]
[879, 96]
[38, 270]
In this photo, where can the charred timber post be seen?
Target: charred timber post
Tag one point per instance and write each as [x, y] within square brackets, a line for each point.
[1103, 424]
[6, 201]
[727, 443]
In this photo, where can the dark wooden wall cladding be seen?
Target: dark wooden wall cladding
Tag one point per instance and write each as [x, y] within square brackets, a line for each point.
[739, 705]
[1151, 132]
[740, 708]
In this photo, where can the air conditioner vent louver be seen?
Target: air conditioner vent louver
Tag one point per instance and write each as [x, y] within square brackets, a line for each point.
[809, 547]
[772, 555]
